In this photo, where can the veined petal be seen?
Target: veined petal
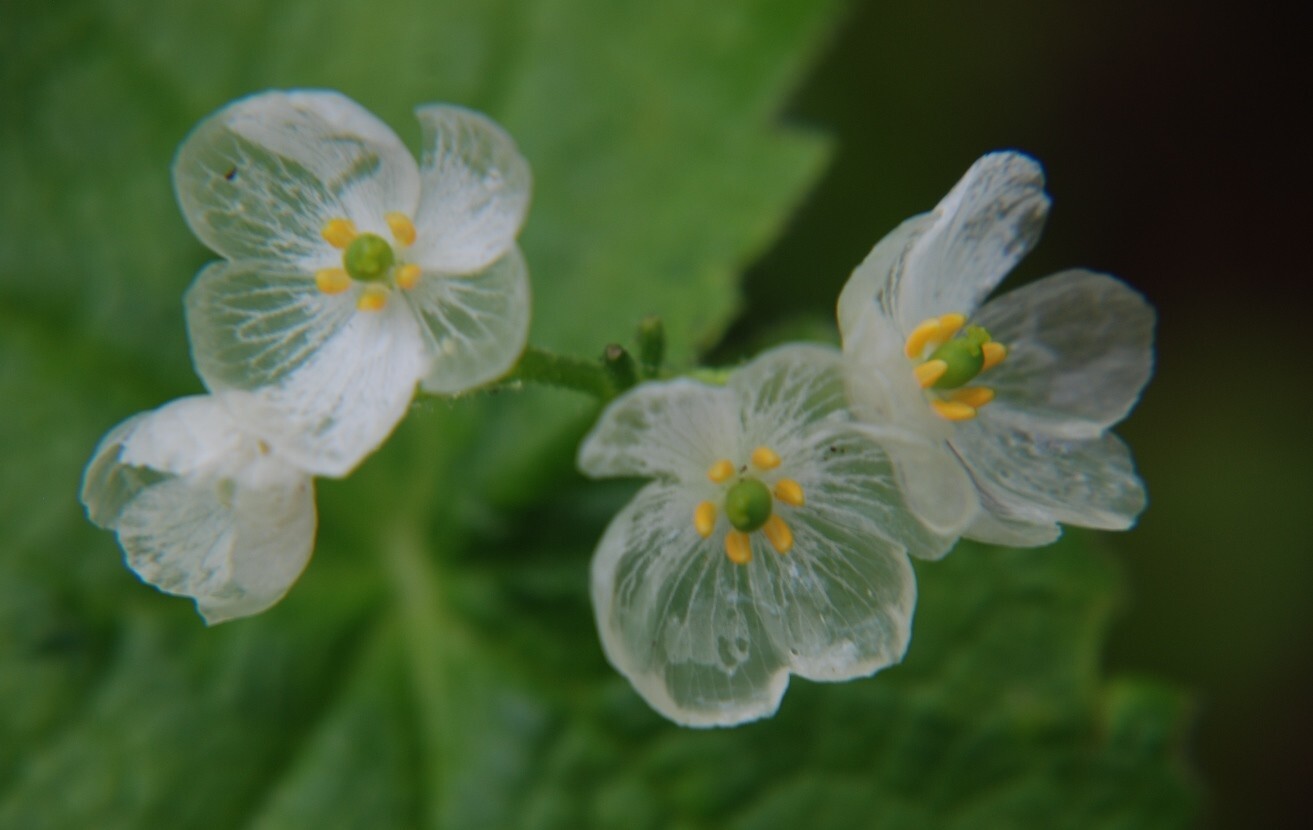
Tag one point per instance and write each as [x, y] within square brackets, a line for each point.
[784, 393]
[868, 298]
[234, 551]
[260, 178]
[1039, 479]
[476, 188]
[1080, 349]
[672, 429]
[475, 327]
[981, 229]
[306, 371]
[680, 620]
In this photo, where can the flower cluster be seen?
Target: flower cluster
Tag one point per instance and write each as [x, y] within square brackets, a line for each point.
[786, 498]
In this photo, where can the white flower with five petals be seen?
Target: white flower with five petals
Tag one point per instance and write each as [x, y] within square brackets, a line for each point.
[1018, 392]
[350, 272]
[202, 508]
[773, 540]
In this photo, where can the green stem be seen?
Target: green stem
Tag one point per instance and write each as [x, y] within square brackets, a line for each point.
[590, 377]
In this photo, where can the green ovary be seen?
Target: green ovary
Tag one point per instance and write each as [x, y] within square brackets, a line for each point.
[963, 356]
[748, 505]
[368, 258]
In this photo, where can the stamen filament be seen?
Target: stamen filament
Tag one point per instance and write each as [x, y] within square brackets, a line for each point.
[339, 233]
[721, 471]
[929, 372]
[403, 230]
[332, 280]
[778, 533]
[994, 354]
[373, 298]
[704, 519]
[790, 492]
[953, 410]
[764, 458]
[973, 396]
[738, 547]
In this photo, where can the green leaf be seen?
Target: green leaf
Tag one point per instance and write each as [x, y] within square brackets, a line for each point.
[437, 664]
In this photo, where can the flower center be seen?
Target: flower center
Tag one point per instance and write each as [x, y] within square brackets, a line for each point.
[370, 260]
[749, 505]
[948, 357]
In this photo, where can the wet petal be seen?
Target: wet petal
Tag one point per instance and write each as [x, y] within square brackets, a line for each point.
[306, 371]
[1080, 349]
[475, 194]
[981, 229]
[475, 327]
[679, 620]
[786, 391]
[259, 178]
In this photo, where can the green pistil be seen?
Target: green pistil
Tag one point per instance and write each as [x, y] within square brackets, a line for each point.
[747, 505]
[963, 356]
[368, 258]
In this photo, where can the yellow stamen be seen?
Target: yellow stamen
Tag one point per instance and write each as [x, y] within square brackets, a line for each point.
[790, 492]
[408, 275]
[704, 519]
[994, 354]
[921, 336]
[721, 471]
[765, 458]
[973, 396]
[339, 232]
[953, 410]
[781, 538]
[373, 298]
[403, 230]
[332, 280]
[929, 372]
[738, 547]
[949, 324]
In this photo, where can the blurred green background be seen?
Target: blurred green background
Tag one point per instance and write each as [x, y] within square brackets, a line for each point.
[436, 666]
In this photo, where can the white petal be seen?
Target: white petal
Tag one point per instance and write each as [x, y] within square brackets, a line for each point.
[679, 620]
[868, 298]
[234, 550]
[994, 529]
[674, 428]
[475, 194]
[981, 229]
[783, 392]
[475, 327]
[1080, 350]
[1038, 479]
[259, 178]
[322, 382]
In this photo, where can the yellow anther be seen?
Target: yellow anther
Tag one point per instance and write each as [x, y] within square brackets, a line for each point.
[339, 232]
[790, 492]
[929, 372]
[765, 458]
[994, 354]
[953, 410]
[973, 396]
[408, 275]
[949, 324]
[704, 519]
[923, 335]
[373, 298]
[403, 230]
[332, 280]
[721, 471]
[738, 547]
[781, 538]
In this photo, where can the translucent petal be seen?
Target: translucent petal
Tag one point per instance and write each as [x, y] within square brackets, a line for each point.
[868, 299]
[784, 391]
[475, 327]
[234, 551]
[1039, 479]
[994, 529]
[475, 194]
[259, 178]
[981, 229]
[674, 428]
[1080, 349]
[679, 620]
[307, 372]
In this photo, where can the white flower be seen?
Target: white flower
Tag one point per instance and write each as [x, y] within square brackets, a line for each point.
[202, 508]
[772, 541]
[1022, 389]
[350, 272]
